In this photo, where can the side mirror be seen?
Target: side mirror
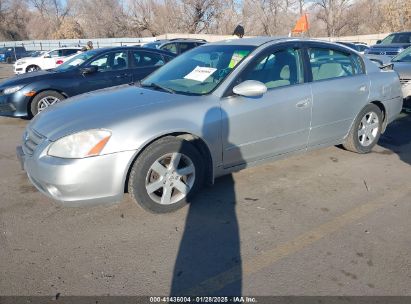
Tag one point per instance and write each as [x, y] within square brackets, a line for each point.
[250, 88]
[378, 41]
[89, 70]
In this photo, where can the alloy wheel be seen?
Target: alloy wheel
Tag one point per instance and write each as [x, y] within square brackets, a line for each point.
[170, 178]
[45, 102]
[368, 129]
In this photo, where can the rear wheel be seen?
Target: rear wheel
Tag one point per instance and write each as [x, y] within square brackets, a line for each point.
[166, 175]
[32, 68]
[44, 100]
[9, 60]
[365, 131]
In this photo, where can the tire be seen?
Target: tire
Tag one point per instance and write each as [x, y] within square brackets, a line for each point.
[9, 60]
[159, 155]
[32, 68]
[44, 100]
[366, 130]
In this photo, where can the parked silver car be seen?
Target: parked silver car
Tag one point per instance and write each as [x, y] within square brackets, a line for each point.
[402, 65]
[216, 109]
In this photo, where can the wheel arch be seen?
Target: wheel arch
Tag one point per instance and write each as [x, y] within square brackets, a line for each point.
[43, 90]
[198, 143]
[381, 106]
[31, 64]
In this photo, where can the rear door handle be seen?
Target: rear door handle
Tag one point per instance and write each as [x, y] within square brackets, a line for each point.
[303, 103]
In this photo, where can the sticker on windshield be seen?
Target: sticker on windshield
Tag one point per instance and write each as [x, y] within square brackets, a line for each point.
[200, 73]
[237, 57]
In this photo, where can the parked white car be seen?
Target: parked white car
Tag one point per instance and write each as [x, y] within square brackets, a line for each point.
[48, 60]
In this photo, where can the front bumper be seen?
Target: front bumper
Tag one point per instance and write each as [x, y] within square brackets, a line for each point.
[77, 182]
[19, 69]
[14, 104]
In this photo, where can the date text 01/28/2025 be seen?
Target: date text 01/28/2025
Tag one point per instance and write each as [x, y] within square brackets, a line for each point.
[203, 300]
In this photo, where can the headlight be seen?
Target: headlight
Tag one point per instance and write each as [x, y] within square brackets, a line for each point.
[11, 90]
[80, 145]
[20, 62]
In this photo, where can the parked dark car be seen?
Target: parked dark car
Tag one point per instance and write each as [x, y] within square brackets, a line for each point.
[28, 94]
[176, 46]
[11, 54]
[391, 45]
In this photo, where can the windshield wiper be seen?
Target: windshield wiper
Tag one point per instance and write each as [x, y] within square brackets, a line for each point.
[159, 86]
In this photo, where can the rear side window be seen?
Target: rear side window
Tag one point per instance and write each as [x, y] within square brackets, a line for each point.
[56, 53]
[185, 46]
[69, 52]
[329, 63]
[171, 47]
[146, 59]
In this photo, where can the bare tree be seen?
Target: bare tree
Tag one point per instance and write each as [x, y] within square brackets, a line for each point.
[333, 14]
[13, 18]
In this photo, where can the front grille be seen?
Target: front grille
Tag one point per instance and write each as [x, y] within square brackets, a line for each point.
[383, 51]
[7, 107]
[31, 140]
[404, 80]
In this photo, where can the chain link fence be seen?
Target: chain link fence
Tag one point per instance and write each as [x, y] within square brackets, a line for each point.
[45, 45]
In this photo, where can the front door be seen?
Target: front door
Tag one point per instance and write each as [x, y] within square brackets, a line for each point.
[275, 123]
[112, 70]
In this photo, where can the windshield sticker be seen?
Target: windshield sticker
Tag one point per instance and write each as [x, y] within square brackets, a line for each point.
[237, 57]
[200, 73]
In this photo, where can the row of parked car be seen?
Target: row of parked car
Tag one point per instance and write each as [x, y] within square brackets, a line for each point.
[181, 121]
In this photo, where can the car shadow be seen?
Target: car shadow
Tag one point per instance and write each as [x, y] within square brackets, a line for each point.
[397, 137]
[210, 245]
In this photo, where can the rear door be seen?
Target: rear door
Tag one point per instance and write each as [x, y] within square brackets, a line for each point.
[112, 69]
[144, 63]
[340, 90]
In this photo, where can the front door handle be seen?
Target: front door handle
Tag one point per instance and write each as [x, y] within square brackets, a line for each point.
[122, 76]
[303, 103]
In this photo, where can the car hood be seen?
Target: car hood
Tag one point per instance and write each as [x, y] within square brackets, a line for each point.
[98, 109]
[27, 78]
[403, 69]
[390, 46]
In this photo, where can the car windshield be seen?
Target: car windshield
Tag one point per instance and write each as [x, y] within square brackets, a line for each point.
[199, 71]
[76, 61]
[152, 45]
[404, 56]
[397, 38]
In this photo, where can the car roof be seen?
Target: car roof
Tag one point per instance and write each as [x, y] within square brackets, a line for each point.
[66, 47]
[178, 40]
[258, 41]
[122, 48]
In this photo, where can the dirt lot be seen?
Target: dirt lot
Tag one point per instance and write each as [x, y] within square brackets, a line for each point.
[329, 222]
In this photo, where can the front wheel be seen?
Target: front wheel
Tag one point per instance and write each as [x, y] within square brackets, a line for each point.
[44, 100]
[166, 175]
[32, 68]
[365, 131]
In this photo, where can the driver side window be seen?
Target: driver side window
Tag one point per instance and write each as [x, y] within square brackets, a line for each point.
[111, 62]
[276, 69]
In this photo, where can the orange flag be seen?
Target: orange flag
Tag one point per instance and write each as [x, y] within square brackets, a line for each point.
[301, 25]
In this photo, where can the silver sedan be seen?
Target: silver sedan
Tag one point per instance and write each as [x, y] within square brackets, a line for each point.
[216, 109]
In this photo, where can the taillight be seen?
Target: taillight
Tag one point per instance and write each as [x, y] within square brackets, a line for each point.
[59, 61]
